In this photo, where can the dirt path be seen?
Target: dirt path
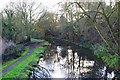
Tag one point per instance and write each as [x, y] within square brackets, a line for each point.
[21, 59]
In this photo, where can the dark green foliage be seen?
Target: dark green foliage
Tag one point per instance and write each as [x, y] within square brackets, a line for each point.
[9, 49]
[7, 25]
[85, 43]
[21, 76]
[102, 52]
[13, 52]
[15, 49]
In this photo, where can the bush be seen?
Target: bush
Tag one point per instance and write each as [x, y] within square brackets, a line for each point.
[12, 52]
[102, 52]
[14, 49]
[22, 76]
[9, 49]
[19, 49]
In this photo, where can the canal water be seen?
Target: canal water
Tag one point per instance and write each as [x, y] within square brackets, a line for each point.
[63, 62]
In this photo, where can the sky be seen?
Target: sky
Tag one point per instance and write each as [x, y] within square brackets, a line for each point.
[50, 4]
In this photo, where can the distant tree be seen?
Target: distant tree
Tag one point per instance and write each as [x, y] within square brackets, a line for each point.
[48, 23]
[19, 20]
[7, 25]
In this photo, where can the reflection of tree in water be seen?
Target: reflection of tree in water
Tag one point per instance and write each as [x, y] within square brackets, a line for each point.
[40, 72]
[68, 66]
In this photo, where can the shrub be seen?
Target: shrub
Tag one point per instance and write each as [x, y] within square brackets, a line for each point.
[22, 76]
[19, 49]
[102, 52]
[9, 49]
[13, 52]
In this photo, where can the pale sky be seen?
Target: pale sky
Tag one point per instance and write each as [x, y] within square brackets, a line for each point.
[50, 4]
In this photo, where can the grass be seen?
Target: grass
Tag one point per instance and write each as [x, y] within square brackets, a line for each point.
[19, 69]
[36, 40]
[8, 63]
[39, 40]
[46, 43]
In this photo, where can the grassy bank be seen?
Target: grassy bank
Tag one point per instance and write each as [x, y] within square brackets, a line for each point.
[8, 63]
[19, 69]
[36, 40]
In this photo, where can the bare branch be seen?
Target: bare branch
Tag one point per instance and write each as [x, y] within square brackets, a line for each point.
[96, 27]
[109, 25]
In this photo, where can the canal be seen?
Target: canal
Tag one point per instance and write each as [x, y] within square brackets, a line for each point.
[66, 62]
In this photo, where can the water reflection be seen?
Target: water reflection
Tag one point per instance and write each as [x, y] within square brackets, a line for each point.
[70, 66]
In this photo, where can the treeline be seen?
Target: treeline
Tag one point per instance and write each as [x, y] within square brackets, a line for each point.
[18, 21]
